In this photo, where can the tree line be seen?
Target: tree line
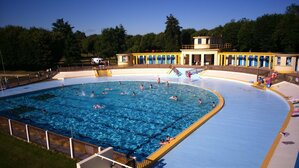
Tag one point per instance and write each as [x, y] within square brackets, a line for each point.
[37, 48]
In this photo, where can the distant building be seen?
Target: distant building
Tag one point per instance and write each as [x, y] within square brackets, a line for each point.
[208, 50]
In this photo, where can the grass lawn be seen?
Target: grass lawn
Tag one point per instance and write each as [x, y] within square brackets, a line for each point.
[15, 153]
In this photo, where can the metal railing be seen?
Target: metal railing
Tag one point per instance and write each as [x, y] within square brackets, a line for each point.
[74, 148]
[7, 82]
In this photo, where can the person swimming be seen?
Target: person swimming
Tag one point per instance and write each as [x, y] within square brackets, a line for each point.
[123, 93]
[167, 84]
[158, 80]
[98, 106]
[133, 94]
[141, 87]
[213, 104]
[151, 86]
[173, 98]
[92, 94]
[199, 101]
[103, 92]
[82, 93]
[168, 138]
[162, 142]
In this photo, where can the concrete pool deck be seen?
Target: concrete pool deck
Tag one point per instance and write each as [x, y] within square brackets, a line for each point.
[283, 88]
[287, 149]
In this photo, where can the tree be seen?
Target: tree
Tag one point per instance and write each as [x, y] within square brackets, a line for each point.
[293, 9]
[264, 28]
[66, 43]
[246, 36]
[230, 32]
[172, 34]
[133, 43]
[88, 44]
[202, 32]
[286, 35]
[216, 32]
[187, 36]
[111, 41]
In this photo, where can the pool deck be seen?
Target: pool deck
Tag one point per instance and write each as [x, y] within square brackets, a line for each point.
[285, 154]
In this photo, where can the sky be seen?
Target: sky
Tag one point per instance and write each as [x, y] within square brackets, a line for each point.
[137, 16]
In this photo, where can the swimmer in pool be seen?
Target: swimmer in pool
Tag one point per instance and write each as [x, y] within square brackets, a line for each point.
[168, 139]
[213, 104]
[199, 101]
[173, 98]
[141, 87]
[98, 106]
[92, 94]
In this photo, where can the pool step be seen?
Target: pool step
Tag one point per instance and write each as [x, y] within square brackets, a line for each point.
[103, 72]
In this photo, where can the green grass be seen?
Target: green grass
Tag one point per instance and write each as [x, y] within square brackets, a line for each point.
[15, 153]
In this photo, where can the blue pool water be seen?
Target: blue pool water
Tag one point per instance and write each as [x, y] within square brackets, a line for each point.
[132, 125]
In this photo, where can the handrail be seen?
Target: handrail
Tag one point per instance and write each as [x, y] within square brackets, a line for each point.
[113, 161]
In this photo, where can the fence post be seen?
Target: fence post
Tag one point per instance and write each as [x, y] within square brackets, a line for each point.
[71, 148]
[47, 140]
[27, 133]
[10, 129]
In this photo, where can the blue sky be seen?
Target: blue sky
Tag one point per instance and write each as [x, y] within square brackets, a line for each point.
[137, 16]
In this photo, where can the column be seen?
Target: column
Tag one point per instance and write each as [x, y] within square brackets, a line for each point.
[190, 59]
[182, 59]
[136, 60]
[220, 59]
[166, 59]
[156, 56]
[270, 59]
[258, 61]
[175, 59]
[247, 58]
[224, 59]
[241, 61]
[236, 60]
[202, 59]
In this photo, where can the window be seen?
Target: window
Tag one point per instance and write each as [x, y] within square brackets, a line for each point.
[124, 58]
[278, 61]
[199, 41]
[208, 41]
[289, 61]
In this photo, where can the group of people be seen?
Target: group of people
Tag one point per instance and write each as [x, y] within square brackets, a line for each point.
[166, 141]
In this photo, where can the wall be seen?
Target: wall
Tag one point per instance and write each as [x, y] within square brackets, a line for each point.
[137, 71]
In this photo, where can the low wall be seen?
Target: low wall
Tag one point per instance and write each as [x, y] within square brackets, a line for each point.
[74, 74]
[244, 77]
[137, 71]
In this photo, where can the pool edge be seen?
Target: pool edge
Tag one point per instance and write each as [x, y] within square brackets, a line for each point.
[158, 154]
[276, 141]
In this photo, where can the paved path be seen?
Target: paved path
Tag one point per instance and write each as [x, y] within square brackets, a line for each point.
[287, 150]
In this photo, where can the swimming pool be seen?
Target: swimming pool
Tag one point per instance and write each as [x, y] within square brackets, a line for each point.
[106, 113]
